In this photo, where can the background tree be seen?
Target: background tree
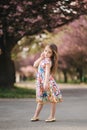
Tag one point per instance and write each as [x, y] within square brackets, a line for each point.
[28, 17]
[71, 40]
[73, 50]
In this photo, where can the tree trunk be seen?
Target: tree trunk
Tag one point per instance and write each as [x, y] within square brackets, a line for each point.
[7, 71]
[65, 76]
[80, 72]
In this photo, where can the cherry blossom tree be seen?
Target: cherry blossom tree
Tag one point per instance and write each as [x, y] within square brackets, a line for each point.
[29, 17]
[73, 50]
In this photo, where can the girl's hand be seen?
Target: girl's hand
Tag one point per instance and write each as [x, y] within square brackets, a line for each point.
[42, 55]
[46, 88]
[37, 62]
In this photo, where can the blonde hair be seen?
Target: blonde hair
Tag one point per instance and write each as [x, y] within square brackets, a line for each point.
[54, 57]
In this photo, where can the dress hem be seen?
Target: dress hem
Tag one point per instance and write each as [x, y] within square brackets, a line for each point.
[44, 102]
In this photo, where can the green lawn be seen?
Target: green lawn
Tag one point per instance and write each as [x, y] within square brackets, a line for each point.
[17, 92]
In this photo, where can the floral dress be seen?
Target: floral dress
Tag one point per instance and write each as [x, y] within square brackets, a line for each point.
[53, 94]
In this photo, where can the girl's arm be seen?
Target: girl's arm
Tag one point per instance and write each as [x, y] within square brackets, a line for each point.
[47, 75]
[37, 62]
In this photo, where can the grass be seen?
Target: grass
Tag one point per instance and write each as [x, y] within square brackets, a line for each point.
[17, 93]
[69, 82]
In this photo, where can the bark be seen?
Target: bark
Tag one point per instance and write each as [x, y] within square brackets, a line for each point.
[65, 76]
[80, 71]
[7, 70]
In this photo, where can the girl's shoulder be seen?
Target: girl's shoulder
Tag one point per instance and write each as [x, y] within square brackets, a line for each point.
[47, 60]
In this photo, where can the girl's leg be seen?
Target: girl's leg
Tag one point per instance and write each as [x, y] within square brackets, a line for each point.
[52, 113]
[53, 110]
[38, 110]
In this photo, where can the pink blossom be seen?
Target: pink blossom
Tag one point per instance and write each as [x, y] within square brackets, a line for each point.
[6, 6]
[19, 8]
[10, 29]
[21, 33]
[1, 32]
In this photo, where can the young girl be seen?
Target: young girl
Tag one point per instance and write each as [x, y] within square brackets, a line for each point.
[46, 88]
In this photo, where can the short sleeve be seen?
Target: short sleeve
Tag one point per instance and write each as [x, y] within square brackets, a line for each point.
[48, 61]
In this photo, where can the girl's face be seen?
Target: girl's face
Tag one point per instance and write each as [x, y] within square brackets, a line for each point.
[47, 52]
